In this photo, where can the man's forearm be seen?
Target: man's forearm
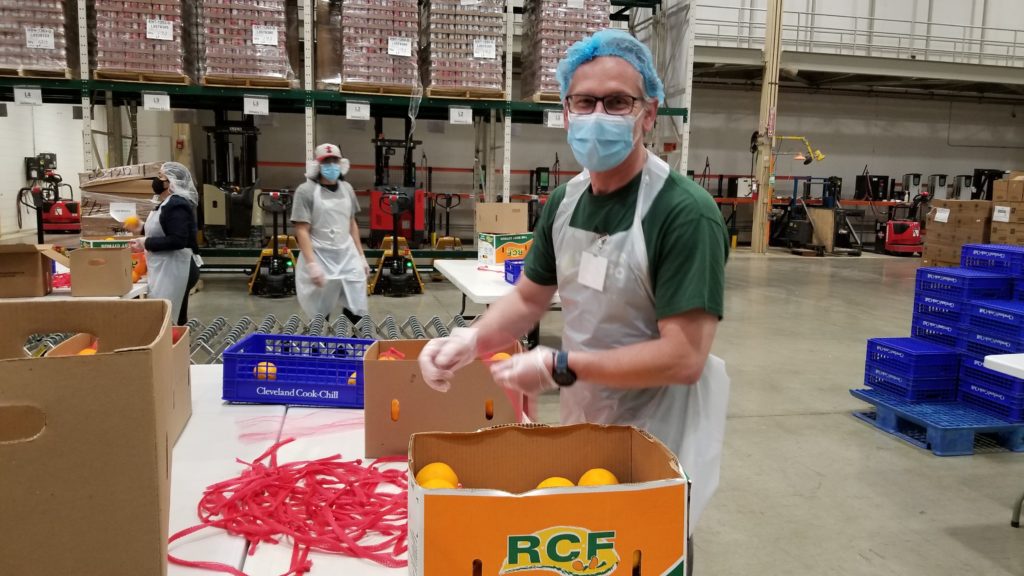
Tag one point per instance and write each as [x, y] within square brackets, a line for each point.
[509, 319]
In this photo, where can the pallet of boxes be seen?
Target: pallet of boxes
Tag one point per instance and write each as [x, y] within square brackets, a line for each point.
[143, 41]
[36, 39]
[463, 45]
[1008, 209]
[248, 44]
[550, 27]
[380, 47]
[950, 225]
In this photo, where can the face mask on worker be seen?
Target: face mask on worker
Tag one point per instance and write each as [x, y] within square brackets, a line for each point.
[601, 141]
[159, 186]
[330, 172]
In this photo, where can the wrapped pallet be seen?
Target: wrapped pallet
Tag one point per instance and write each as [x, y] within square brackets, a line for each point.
[144, 41]
[951, 224]
[34, 38]
[380, 50]
[462, 48]
[550, 27]
[246, 43]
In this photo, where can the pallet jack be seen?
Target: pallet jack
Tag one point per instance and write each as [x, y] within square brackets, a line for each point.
[396, 274]
[901, 232]
[274, 275]
[54, 213]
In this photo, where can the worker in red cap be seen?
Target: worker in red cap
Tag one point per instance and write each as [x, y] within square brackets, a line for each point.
[332, 266]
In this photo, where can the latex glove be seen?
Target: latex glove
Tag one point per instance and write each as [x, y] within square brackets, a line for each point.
[316, 274]
[441, 357]
[528, 373]
[137, 245]
[366, 266]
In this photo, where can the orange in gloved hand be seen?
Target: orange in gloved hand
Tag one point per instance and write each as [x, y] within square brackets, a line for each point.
[598, 477]
[131, 222]
[500, 356]
[555, 482]
[265, 371]
[437, 471]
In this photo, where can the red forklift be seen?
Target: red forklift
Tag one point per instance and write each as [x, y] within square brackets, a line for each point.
[51, 198]
[902, 232]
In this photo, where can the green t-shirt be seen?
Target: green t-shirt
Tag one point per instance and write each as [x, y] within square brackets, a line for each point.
[687, 241]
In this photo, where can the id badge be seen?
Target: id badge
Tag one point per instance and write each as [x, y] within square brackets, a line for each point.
[593, 269]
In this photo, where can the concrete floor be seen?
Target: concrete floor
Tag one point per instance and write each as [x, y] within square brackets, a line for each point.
[806, 489]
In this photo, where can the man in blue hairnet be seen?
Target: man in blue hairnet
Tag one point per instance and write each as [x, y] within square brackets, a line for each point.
[637, 254]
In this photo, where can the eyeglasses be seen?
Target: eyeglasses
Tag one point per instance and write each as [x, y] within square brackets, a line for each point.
[615, 104]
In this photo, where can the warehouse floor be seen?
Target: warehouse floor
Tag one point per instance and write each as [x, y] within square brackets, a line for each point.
[806, 489]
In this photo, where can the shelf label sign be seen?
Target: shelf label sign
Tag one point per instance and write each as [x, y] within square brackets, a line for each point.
[469, 2]
[460, 115]
[159, 30]
[485, 48]
[39, 38]
[578, 4]
[264, 35]
[121, 210]
[357, 110]
[554, 119]
[28, 95]
[1001, 214]
[156, 101]
[942, 215]
[256, 106]
[398, 46]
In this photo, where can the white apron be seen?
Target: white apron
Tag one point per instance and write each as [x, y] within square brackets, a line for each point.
[339, 257]
[167, 271]
[688, 419]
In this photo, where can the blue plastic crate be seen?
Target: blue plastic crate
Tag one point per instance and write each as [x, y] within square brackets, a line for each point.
[307, 370]
[513, 268]
[1001, 258]
[964, 283]
[913, 389]
[1001, 318]
[913, 357]
[943, 309]
[992, 402]
[977, 343]
[935, 331]
[972, 369]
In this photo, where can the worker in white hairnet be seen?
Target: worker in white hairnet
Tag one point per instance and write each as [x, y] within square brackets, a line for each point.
[637, 254]
[172, 251]
[332, 267]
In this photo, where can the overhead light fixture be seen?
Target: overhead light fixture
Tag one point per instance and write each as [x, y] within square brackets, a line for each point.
[800, 157]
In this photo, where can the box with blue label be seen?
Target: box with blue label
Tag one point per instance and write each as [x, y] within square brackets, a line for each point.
[494, 249]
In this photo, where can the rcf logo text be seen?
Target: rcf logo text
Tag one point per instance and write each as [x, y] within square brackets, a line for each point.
[563, 550]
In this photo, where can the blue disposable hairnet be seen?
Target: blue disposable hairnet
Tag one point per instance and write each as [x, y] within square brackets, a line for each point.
[612, 43]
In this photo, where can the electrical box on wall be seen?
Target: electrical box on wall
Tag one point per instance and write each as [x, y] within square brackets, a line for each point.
[36, 166]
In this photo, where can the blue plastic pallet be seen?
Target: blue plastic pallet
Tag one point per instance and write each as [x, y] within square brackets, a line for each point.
[913, 358]
[993, 402]
[945, 429]
[1001, 318]
[1001, 258]
[964, 284]
[972, 369]
[936, 331]
[949, 310]
[306, 370]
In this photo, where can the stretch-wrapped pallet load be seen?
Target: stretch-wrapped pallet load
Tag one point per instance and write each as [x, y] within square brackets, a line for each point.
[33, 38]
[245, 43]
[380, 49]
[463, 42]
[550, 27]
[328, 44]
[144, 41]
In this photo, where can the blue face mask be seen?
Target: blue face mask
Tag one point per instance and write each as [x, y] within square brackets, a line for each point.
[330, 172]
[601, 141]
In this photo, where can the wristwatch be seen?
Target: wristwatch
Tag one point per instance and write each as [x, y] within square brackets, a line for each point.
[560, 372]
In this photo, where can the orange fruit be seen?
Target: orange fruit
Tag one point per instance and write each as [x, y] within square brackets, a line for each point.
[131, 222]
[87, 352]
[555, 482]
[437, 483]
[500, 356]
[437, 470]
[265, 371]
[598, 477]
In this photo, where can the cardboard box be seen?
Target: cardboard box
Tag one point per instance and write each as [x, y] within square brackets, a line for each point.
[108, 195]
[181, 382]
[1003, 233]
[84, 440]
[101, 272]
[1009, 190]
[494, 249]
[497, 521]
[398, 403]
[941, 252]
[502, 218]
[26, 270]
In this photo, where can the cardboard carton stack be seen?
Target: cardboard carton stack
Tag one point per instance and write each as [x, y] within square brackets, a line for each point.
[33, 37]
[953, 223]
[462, 47]
[144, 40]
[1008, 210]
[550, 27]
[380, 50]
[503, 233]
[245, 42]
[109, 195]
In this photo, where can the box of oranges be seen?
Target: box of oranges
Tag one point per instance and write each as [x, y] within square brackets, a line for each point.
[581, 500]
[399, 403]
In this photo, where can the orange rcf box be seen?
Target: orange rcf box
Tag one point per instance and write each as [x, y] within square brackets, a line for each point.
[498, 524]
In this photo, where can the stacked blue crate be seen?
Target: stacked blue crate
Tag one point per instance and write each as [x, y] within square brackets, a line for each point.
[995, 327]
[941, 297]
[1001, 258]
[912, 369]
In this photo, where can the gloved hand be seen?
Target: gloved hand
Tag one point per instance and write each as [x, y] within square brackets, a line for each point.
[528, 373]
[366, 266]
[316, 274]
[441, 357]
[137, 245]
